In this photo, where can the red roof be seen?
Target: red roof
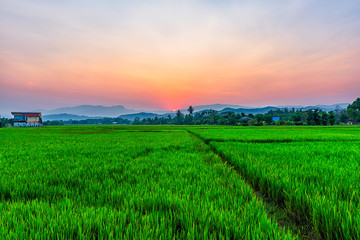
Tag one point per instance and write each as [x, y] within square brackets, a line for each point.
[28, 114]
[33, 114]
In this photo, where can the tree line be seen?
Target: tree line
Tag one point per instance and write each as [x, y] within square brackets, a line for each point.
[286, 116]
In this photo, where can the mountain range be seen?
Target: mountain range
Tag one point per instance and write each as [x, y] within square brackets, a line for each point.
[97, 111]
[65, 117]
[91, 110]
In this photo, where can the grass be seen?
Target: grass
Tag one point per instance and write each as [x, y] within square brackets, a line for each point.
[127, 182]
[312, 172]
[279, 134]
[171, 182]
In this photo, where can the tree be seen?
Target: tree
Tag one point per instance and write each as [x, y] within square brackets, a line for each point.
[232, 119]
[310, 118]
[188, 119]
[337, 111]
[190, 110]
[313, 117]
[353, 111]
[344, 118]
[136, 121]
[259, 117]
[298, 116]
[179, 117]
[268, 119]
[212, 112]
[324, 119]
[317, 117]
[156, 120]
[288, 117]
[332, 118]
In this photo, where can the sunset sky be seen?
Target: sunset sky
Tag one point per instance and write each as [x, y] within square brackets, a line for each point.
[172, 54]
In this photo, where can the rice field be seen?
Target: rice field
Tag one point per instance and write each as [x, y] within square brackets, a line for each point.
[313, 173]
[180, 182]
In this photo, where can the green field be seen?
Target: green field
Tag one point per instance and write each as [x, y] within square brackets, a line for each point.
[177, 182]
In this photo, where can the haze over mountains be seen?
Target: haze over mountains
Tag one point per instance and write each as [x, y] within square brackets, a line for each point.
[83, 112]
[91, 110]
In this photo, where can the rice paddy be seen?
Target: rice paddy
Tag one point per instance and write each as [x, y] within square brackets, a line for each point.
[180, 182]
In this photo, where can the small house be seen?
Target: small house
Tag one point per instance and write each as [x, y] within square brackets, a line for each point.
[27, 119]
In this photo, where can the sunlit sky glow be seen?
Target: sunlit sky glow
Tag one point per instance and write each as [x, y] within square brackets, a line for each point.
[172, 54]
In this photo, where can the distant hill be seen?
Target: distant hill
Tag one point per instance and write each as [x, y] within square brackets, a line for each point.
[64, 117]
[143, 115]
[140, 115]
[266, 109]
[328, 107]
[216, 107]
[248, 110]
[262, 110]
[91, 111]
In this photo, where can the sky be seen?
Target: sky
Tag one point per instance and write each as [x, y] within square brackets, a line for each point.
[172, 54]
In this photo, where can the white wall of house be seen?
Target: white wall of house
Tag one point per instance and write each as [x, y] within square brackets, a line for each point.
[24, 124]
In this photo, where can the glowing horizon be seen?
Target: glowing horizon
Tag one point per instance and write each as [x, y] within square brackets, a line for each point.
[172, 54]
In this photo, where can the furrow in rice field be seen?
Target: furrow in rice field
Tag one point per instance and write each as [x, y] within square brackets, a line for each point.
[276, 210]
[316, 182]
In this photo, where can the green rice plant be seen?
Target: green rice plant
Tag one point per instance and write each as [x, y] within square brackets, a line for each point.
[123, 182]
[274, 134]
[316, 181]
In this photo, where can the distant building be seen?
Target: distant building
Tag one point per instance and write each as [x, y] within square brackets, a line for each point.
[275, 118]
[27, 119]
